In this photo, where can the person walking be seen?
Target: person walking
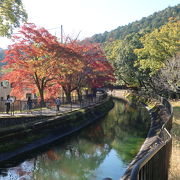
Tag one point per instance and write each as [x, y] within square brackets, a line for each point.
[8, 104]
[58, 103]
[29, 104]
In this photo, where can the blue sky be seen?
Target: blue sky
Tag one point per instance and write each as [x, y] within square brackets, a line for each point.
[88, 17]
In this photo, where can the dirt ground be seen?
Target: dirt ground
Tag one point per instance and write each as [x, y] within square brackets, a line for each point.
[174, 173]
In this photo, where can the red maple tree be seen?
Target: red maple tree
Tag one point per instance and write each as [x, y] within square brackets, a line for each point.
[38, 63]
[31, 60]
[90, 70]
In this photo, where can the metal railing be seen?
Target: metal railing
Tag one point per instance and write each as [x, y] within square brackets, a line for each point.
[155, 165]
[21, 107]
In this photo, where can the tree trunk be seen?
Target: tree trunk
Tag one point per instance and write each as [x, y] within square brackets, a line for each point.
[41, 92]
[79, 95]
[68, 96]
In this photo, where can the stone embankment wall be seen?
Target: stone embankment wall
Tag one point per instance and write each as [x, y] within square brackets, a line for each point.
[63, 125]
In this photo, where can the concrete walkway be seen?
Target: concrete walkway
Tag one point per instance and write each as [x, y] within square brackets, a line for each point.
[44, 111]
[120, 93]
[47, 111]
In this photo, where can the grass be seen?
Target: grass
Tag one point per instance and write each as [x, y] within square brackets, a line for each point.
[174, 173]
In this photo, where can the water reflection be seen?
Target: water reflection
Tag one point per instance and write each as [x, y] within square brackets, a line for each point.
[101, 150]
[24, 171]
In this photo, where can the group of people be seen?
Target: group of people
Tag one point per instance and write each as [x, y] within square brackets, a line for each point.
[9, 101]
[30, 102]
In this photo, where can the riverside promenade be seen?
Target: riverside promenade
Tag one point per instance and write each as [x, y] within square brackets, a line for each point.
[19, 108]
[119, 93]
[36, 131]
[22, 119]
[43, 111]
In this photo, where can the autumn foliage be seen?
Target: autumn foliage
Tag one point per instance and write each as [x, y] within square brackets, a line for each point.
[38, 63]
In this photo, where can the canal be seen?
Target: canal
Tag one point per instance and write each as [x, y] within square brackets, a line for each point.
[101, 150]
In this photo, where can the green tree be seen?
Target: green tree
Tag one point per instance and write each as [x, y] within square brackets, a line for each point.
[121, 54]
[147, 24]
[12, 14]
[159, 46]
[159, 58]
[112, 49]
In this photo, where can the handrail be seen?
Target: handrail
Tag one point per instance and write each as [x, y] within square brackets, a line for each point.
[143, 161]
[170, 137]
[168, 106]
[150, 155]
[166, 140]
[20, 106]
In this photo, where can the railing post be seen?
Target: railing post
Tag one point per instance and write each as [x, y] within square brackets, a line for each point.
[13, 109]
[71, 103]
[155, 164]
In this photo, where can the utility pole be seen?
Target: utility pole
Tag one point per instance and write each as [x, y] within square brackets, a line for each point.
[62, 91]
[61, 34]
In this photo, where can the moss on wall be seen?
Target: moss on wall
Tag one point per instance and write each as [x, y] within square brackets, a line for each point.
[29, 133]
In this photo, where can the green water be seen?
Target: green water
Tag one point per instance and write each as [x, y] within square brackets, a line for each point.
[101, 150]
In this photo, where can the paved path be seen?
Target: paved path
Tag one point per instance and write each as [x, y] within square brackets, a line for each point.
[47, 111]
[119, 93]
[43, 111]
